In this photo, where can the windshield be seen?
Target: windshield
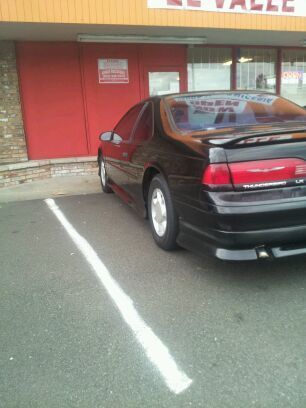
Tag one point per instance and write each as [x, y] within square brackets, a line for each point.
[198, 112]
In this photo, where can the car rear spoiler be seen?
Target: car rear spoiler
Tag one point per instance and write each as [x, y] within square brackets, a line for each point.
[275, 136]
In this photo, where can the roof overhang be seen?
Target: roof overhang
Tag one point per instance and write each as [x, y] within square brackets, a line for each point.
[70, 32]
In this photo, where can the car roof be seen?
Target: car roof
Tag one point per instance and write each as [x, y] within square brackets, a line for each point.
[157, 98]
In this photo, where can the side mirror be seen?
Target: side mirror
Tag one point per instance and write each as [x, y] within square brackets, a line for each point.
[106, 137]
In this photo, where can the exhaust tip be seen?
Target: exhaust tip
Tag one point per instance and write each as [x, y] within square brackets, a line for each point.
[262, 253]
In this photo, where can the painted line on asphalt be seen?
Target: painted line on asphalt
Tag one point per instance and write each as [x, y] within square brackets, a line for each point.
[176, 380]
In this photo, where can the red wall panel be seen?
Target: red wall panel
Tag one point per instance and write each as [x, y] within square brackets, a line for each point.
[52, 99]
[106, 103]
[66, 108]
[164, 55]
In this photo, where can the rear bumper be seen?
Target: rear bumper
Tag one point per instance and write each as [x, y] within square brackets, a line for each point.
[231, 228]
[246, 245]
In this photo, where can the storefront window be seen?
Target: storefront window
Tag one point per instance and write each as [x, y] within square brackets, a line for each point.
[209, 69]
[293, 81]
[256, 69]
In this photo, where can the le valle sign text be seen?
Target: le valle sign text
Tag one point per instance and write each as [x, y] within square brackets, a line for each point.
[274, 7]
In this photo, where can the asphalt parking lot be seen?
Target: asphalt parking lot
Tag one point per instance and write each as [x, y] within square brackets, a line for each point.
[110, 320]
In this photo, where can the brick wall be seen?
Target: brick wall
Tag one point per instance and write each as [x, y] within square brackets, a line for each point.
[19, 173]
[12, 141]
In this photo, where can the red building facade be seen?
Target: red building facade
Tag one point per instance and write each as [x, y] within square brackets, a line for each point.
[61, 88]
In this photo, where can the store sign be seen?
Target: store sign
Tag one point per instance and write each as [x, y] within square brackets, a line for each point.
[113, 71]
[275, 7]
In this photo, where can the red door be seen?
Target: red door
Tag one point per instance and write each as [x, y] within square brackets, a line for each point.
[163, 68]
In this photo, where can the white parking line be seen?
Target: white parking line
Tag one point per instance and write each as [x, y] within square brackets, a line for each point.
[176, 380]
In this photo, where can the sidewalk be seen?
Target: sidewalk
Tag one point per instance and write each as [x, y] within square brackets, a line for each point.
[52, 187]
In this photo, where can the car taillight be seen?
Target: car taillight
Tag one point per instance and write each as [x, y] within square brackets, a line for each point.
[259, 174]
[217, 177]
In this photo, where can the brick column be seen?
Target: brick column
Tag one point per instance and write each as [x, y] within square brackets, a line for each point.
[12, 140]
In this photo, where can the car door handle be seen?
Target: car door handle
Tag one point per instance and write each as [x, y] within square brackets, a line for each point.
[125, 155]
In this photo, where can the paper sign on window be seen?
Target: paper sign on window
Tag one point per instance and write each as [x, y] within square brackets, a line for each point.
[113, 71]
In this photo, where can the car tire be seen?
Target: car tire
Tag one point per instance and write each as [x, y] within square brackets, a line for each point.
[103, 176]
[162, 215]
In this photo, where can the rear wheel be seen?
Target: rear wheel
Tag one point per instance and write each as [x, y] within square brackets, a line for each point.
[162, 215]
[103, 176]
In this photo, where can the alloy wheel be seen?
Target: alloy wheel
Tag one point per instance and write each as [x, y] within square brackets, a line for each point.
[159, 212]
[103, 173]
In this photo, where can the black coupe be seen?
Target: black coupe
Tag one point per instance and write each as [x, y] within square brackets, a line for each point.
[222, 173]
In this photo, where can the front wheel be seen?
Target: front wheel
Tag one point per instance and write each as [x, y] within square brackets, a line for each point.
[162, 215]
[103, 176]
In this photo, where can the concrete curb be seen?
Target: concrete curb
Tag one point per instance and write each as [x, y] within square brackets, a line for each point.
[53, 187]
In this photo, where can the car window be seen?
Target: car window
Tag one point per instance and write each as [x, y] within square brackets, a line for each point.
[212, 111]
[144, 129]
[126, 125]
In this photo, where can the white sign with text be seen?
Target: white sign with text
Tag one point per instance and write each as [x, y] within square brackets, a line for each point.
[294, 8]
[113, 71]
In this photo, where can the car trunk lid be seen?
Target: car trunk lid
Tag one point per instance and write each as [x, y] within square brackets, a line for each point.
[257, 160]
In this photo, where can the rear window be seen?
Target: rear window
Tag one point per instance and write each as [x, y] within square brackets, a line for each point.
[198, 112]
